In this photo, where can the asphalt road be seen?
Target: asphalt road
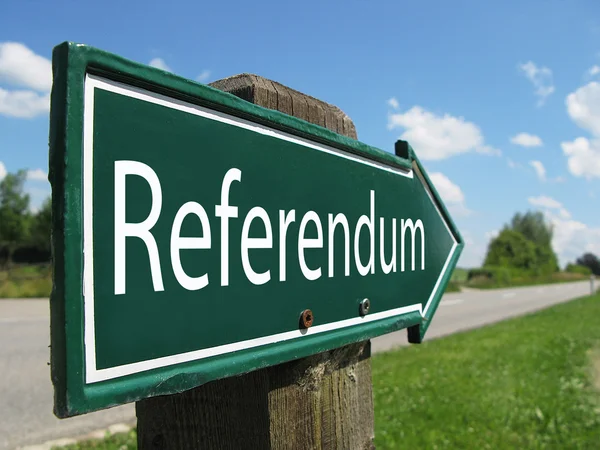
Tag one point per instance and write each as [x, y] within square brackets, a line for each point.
[475, 308]
[26, 391]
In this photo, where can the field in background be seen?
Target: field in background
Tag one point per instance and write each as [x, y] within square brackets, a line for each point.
[35, 281]
[459, 275]
[31, 281]
[460, 279]
[118, 441]
[517, 281]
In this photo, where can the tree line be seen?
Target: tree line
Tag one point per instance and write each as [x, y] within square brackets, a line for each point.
[523, 248]
[24, 235]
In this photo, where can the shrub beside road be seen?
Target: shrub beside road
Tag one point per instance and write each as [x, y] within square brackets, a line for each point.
[31, 281]
[36, 281]
[501, 277]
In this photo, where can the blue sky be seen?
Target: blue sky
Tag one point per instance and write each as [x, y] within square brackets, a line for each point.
[500, 99]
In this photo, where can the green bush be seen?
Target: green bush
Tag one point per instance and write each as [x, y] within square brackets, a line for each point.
[546, 260]
[453, 286]
[511, 249]
[525, 245]
[577, 268]
[493, 275]
[32, 288]
[460, 275]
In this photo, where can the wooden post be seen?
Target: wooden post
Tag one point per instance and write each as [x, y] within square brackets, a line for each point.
[321, 402]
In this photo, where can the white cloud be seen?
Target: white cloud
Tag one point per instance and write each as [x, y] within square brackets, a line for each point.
[449, 191]
[393, 102]
[541, 78]
[593, 71]
[513, 165]
[489, 150]
[544, 202]
[37, 194]
[23, 104]
[564, 213]
[583, 157]
[20, 66]
[2, 170]
[583, 106]
[204, 76]
[474, 251]
[540, 170]
[439, 137]
[549, 203]
[526, 140]
[489, 235]
[37, 175]
[452, 195]
[571, 238]
[160, 63]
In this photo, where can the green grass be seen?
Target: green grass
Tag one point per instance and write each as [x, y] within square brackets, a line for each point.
[558, 277]
[526, 383]
[38, 288]
[460, 279]
[459, 275]
[119, 441]
[25, 272]
[26, 282]
[452, 286]
[522, 384]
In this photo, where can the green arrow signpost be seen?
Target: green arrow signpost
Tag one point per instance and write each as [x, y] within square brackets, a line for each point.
[197, 236]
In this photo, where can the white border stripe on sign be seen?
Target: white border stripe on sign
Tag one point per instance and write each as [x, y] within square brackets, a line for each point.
[93, 374]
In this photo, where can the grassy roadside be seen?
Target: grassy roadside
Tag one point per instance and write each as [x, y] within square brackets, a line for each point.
[526, 383]
[36, 281]
[559, 277]
[452, 287]
[459, 275]
[460, 279]
[118, 441]
[26, 282]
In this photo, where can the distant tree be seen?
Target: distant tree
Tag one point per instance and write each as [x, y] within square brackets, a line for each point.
[546, 260]
[41, 226]
[534, 227]
[14, 213]
[590, 260]
[576, 268]
[539, 257]
[511, 249]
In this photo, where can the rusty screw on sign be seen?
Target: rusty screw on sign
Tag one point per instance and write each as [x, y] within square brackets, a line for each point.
[306, 318]
[364, 307]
